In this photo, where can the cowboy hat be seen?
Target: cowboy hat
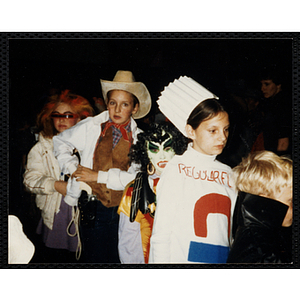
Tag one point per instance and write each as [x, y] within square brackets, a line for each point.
[124, 80]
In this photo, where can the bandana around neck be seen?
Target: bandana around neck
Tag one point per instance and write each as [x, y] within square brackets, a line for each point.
[124, 129]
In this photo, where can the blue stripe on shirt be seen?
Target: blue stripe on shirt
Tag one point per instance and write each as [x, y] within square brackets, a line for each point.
[207, 253]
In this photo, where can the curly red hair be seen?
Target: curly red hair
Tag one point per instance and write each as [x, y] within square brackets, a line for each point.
[80, 105]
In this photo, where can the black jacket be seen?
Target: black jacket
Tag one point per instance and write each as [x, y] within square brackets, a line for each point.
[259, 237]
[277, 123]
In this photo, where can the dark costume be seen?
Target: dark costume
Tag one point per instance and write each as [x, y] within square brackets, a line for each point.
[103, 236]
[277, 124]
[260, 237]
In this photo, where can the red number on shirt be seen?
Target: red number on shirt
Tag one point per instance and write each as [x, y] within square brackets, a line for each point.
[211, 203]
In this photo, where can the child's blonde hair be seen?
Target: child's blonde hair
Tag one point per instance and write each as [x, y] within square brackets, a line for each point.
[263, 173]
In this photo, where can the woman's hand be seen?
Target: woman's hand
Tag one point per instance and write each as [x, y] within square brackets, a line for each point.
[85, 174]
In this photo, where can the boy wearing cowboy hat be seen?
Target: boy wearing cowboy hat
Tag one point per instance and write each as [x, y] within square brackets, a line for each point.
[103, 143]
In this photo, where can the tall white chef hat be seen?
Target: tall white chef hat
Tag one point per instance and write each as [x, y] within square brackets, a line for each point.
[179, 98]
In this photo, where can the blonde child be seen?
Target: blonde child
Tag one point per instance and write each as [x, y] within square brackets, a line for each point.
[264, 181]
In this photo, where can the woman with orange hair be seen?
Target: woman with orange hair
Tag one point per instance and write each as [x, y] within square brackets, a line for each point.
[43, 176]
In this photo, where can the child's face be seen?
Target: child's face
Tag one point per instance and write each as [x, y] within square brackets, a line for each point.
[286, 197]
[120, 105]
[62, 117]
[269, 88]
[211, 135]
[160, 154]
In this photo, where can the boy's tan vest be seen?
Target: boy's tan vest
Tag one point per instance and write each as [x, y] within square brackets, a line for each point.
[106, 158]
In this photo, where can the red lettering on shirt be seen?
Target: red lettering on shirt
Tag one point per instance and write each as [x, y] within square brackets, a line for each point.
[181, 168]
[223, 174]
[196, 175]
[205, 175]
[212, 176]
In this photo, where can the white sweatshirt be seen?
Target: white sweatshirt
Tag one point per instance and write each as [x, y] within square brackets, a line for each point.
[83, 137]
[193, 217]
[42, 170]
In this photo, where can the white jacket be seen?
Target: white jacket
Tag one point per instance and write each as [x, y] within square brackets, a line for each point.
[193, 216]
[83, 137]
[42, 170]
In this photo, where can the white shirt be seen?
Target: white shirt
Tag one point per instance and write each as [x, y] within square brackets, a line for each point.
[193, 217]
[83, 137]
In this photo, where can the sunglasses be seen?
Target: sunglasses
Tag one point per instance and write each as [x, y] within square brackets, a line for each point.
[64, 116]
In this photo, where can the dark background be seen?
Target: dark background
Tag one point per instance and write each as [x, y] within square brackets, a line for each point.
[228, 67]
[222, 65]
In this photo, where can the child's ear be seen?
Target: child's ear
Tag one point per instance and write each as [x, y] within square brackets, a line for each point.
[190, 131]
[136, 108]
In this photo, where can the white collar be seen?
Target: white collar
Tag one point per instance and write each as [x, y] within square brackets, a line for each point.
[201, 155]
